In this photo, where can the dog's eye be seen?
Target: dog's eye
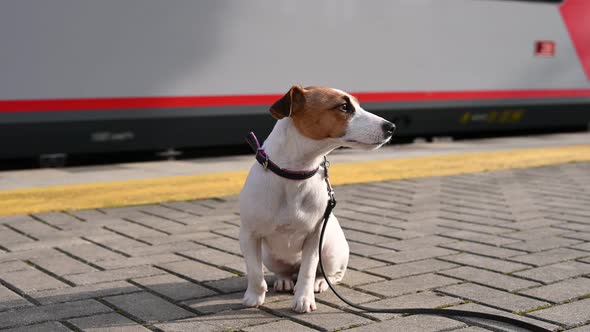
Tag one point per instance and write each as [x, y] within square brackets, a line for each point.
[345, 108]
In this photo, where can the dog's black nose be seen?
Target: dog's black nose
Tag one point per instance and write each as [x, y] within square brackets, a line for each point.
[388, 127]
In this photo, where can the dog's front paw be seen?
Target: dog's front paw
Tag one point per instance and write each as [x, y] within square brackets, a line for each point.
[254, 298]
[304, 303]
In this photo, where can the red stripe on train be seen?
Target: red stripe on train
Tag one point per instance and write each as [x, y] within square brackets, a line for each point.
[120, 103]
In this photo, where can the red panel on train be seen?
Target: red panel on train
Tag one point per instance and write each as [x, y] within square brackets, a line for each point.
[575, 14]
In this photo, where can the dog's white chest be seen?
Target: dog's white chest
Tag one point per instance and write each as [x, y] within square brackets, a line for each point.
[282, 205]
[302, 205]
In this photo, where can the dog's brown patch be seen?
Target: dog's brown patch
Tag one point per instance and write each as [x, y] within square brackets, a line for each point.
[316, 111]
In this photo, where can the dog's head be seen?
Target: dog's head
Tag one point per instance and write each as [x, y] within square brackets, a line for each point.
[325, 113]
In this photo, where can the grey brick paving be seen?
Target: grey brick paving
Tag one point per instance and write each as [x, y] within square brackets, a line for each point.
[237, 319]
[163, 248]
[61, 265]
[13, 266]
[363, 263]
[8, 237]
[414, 255]
[189, 325]
[537, 233]
[493, 297]
[556, 272]
[413, 324]
[133, 229]
[174, 287]
[43, 327]
[421, 242]
[579, 235]
[542, 244]
[537, 222]
[366, 250]
[477, 228]
[561, 291]
[408, 285]
[212, 256]
[489, 263]
[359, 296]
[412, 268]
[107, 323]
[91, 252]
[354, 278]
[58, 240]
[425, 299]
[481, 249]
[115, 242]
[574, 227]
[330, 318]
[550, 256]
[139, 261]
[214, 304]
[113, 275]
[223, 243]
[283, 325]
[479, 237]
[473, 329]
[197, 271]
[32, 280]
[231, 285]
[10, 299]
[84, 292]
[25, 255]
[569, 314]
[511, 241]
[32, 315]
[488, 278]
[33, 228]
[501, 326]
[148, 307]
[582, 246]
[182, 237]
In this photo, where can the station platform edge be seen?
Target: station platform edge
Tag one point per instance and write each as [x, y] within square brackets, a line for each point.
[211, 185]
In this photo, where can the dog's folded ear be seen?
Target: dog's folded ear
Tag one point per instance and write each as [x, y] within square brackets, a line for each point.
[289, 103]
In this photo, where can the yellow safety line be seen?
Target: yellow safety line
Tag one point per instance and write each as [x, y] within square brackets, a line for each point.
[179, 188]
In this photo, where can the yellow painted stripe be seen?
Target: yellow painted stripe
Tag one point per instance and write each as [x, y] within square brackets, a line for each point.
[178, 188]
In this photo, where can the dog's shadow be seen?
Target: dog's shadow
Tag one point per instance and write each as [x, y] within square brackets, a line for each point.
[232, 300]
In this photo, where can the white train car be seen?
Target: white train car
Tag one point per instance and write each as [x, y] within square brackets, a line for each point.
[131, 75]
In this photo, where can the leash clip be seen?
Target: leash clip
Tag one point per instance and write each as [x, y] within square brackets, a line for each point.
[332, 198]
[265, 163]
[326, 163]
[331, 194]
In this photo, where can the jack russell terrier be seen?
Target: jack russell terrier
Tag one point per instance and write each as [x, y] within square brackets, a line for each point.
[281, 209]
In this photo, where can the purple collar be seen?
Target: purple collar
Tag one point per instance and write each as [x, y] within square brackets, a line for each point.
[268, 164]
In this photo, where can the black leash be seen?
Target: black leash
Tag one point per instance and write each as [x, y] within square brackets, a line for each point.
[414, 311]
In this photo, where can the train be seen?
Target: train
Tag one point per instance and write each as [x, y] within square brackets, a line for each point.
[92, 77]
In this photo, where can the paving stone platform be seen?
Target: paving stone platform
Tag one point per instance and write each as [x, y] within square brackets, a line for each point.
[513, 242]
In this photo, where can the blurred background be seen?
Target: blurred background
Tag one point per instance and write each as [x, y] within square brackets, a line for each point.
[91, 82]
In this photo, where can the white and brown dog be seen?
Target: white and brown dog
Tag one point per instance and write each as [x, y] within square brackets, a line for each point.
[281, 217]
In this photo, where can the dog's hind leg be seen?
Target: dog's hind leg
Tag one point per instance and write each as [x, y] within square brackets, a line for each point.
[283, 271]
[251, 246]
[284, 282]
[335, 254]
[320, 283]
